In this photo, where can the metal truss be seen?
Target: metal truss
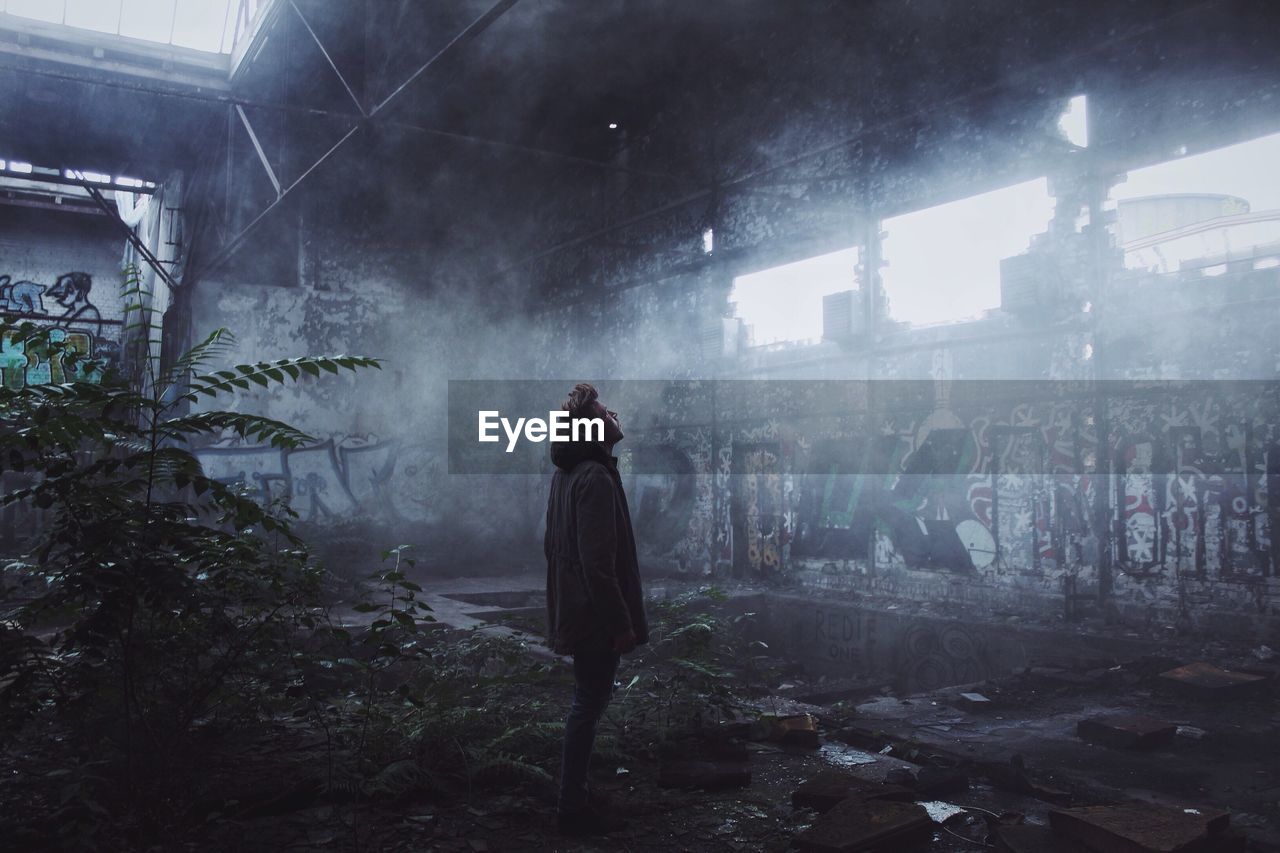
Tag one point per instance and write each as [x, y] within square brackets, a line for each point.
[356, 118]
[466, 36]
[135, 241]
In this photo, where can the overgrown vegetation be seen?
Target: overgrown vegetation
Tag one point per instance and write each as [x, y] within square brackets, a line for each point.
[169, 667]
[157, 601]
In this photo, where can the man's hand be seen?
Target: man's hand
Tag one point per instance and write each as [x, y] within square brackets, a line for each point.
[624, 642]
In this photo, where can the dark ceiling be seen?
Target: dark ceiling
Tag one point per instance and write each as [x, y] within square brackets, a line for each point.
[703, 91]
[680, 78]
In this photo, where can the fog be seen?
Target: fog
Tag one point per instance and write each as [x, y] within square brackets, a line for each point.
[943, 336]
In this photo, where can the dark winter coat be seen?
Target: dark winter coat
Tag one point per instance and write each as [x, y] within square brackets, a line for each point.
[593, 576]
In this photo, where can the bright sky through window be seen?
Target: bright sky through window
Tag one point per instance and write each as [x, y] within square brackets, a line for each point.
[944, 261]
[1245, 170]
[206, 25]
[785, 303]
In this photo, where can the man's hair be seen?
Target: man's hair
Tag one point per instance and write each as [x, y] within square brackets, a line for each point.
[578, 403]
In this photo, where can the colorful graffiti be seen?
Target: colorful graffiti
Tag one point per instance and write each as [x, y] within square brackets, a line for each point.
[357, 476]
[23, 364]
[80, 326]
[998, 490]
[21, 297]
[762, 506]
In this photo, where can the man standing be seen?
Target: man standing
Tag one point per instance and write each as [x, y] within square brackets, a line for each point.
[595, 608]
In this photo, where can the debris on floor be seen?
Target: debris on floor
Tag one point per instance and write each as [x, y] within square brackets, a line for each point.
[973, 701]
[1206, 678]
[857, 825]
[1144, 828]
[1127, 731]
[830, 787]
[795, 730]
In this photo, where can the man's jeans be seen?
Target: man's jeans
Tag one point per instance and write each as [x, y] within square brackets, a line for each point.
[595, 664]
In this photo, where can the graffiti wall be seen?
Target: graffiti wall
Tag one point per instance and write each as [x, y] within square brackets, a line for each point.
[22, 364]
[67, 306]
[352, 477]
[60, 270]
[1012, 493]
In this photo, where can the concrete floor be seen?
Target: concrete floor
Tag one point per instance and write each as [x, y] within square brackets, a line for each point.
[1227, 754]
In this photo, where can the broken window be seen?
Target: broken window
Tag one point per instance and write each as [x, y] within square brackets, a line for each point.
[943, 262]
[784, 304]
[1204, 214]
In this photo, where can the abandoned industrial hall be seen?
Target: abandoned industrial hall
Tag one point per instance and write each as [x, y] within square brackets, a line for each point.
[640, 425]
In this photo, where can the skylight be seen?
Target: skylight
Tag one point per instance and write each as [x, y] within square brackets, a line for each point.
[207, 25]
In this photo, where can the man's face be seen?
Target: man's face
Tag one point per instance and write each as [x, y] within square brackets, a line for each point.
[612, 426]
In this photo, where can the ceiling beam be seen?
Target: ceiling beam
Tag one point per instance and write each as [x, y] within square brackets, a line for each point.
[224, 100]
[224, 251]
[923, 111]
[8, 197]
[111, 66]
[329, 59]
[468, 35]
[465, 37]
[257, 146]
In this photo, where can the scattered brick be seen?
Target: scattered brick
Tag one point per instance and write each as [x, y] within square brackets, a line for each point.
[831, 787]
[1201, 677]
[1127, 731]
[857, 825]
[797, 730]
[1139, 828]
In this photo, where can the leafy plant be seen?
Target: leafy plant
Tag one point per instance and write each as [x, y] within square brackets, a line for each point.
[686, 676]
[160, 597]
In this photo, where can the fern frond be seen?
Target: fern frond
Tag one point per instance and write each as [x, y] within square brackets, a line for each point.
[265, 373]
[276, 433]
[505, 771]
[217, 345]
